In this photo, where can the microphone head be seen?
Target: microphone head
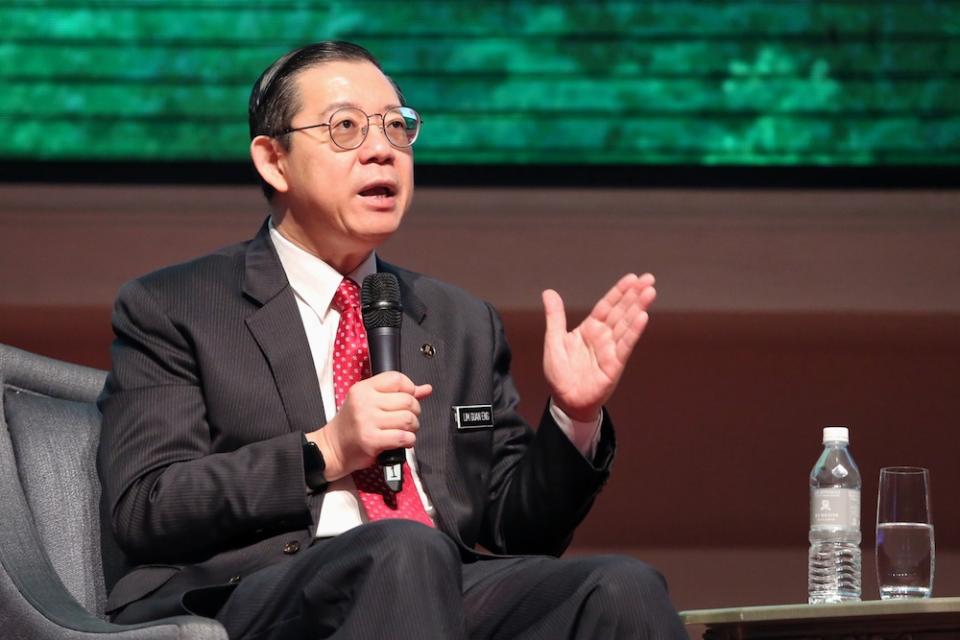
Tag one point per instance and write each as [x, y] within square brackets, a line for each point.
[380, 301]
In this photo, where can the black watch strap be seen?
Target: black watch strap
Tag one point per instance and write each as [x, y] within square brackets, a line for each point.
[313, 466]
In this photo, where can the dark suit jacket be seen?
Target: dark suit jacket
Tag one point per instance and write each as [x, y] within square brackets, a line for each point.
[213, 384]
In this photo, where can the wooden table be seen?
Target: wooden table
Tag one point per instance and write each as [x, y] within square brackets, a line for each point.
[909, 619]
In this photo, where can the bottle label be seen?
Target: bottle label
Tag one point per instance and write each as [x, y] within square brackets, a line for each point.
[835, 508]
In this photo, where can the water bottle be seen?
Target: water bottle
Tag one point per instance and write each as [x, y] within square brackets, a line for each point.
[833, 570]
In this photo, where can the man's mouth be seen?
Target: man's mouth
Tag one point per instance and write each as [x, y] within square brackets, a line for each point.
[378, 191]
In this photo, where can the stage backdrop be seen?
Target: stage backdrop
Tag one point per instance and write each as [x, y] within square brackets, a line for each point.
[735, 82]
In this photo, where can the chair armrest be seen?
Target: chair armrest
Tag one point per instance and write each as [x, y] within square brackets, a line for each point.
[39, 374]
[37, 606]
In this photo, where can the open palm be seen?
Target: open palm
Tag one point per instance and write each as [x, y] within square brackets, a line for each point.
[582, 367]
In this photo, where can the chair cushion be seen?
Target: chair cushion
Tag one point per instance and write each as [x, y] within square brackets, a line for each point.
[55, 443]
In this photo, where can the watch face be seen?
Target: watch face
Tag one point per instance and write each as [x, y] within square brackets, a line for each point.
[314, 466]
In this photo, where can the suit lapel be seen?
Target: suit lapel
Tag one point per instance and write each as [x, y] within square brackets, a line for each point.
[278, 330]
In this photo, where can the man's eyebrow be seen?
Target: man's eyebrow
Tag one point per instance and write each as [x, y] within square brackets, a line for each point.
[337, 105]
[343, 105]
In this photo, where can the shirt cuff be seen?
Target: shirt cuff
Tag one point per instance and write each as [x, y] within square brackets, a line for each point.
[584, 435]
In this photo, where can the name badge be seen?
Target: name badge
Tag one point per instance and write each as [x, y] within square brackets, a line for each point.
[475, 416]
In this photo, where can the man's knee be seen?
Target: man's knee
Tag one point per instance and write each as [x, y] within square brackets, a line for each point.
[408, 546]
[632, 573]
[631, 596]
[622, 577]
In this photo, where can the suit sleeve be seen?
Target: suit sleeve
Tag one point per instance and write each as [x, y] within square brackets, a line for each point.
[170, 495]
[541, 487]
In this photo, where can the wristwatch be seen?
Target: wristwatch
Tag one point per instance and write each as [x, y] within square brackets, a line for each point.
[313, 466]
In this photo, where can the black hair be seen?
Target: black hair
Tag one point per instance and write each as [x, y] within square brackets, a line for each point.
[274, 99]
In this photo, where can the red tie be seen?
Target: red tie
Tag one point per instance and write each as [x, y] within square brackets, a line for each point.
[351, 362]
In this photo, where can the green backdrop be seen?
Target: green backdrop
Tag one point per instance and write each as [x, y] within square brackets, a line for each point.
[738, 82]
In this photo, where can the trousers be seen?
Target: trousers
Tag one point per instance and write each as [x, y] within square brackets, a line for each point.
[400, 579]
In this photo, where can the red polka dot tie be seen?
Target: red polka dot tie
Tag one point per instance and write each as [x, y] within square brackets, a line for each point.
[351, 362]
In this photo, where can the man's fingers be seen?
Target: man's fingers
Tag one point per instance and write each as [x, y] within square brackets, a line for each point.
[422, 391]
[647, 296]
[401, 420]
[394, 439]
[627, 288]
[396, 382]
[392, 381]
[631, 335]
[623, 307]
[610, 299]
[399, 401]
[622, 322]
[555, 314]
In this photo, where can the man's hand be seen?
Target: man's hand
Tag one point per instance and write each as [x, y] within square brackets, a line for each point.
[379, 413]
[582, 367]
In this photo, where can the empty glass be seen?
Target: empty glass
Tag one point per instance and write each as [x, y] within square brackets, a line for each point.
[905, 547]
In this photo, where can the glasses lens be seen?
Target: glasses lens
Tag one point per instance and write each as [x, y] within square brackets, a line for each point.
[402, 126]
[348, 127]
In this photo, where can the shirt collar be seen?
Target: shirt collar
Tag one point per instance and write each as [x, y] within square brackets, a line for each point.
[310, 277]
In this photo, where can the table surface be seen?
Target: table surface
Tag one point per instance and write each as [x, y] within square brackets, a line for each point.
[787, 612]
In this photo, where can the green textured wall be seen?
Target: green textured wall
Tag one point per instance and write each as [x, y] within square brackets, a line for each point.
[781, 82]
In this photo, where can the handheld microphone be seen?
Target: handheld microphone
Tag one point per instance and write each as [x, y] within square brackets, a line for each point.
[382, 314]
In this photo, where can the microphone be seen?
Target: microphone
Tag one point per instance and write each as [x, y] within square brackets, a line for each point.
[382, 313]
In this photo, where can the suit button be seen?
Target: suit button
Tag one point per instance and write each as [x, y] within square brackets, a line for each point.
[428, 350]
[291, 547]
[234, 580]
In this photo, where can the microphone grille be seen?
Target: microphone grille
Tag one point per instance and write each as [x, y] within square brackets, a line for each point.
[380, 301]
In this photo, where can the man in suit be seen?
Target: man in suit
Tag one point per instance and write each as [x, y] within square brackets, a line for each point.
[240, 432]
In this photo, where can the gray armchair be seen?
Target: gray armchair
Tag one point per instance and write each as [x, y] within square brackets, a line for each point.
[57, 556]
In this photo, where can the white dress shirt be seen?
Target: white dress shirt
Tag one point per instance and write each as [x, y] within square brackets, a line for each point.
[314, 284]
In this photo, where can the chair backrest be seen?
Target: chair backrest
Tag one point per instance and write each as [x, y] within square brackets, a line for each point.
[49, 432]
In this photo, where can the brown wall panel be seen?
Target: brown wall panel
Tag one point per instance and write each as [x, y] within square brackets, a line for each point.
[719, 415]
[711, 250]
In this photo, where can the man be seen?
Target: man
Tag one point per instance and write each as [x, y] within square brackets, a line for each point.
[240, 432]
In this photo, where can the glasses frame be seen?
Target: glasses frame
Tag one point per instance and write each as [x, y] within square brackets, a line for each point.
[366, 129]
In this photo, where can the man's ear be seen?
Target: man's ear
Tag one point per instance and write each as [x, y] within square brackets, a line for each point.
[267, 155]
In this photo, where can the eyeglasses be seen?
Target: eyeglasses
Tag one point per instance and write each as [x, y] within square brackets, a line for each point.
[349, 127]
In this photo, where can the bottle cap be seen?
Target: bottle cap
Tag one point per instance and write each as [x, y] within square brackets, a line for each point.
[836, 434]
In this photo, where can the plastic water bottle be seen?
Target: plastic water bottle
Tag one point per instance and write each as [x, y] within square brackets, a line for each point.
[833, 573]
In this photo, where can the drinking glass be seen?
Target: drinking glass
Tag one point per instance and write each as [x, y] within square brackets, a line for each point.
[905, 547]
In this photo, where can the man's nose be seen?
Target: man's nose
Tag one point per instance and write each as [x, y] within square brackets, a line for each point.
[376, 146]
